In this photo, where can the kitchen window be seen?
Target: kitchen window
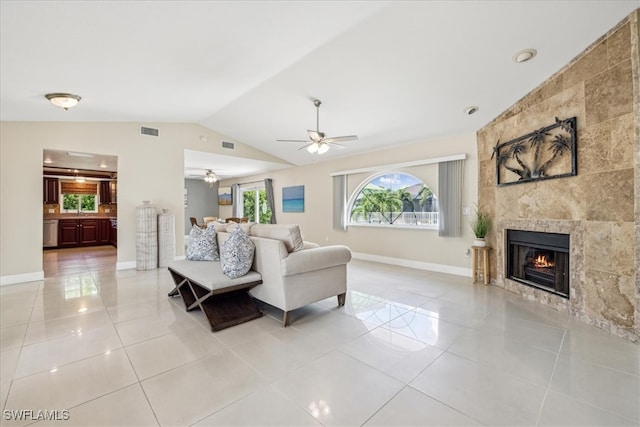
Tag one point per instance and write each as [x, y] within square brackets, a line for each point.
[79, 197]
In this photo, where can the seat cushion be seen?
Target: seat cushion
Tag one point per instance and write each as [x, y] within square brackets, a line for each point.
[236, 254]
[209, 274]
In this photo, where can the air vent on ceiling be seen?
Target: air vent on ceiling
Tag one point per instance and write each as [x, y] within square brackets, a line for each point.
[229, 145]
[149, 131]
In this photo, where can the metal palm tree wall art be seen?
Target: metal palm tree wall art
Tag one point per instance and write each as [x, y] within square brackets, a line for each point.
[538, 155]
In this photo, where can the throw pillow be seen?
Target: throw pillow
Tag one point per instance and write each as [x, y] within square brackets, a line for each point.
[236, 254]
[289, 234]
[203, 245]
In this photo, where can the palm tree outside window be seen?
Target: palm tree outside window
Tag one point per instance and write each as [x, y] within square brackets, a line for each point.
[395, 199]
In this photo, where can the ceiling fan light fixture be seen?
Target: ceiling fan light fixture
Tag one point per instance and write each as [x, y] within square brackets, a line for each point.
[210, 177]
[64, 100]
[323, 148]
[313, 148]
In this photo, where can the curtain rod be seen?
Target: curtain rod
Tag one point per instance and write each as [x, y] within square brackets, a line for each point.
[423, 162]
[251, 182]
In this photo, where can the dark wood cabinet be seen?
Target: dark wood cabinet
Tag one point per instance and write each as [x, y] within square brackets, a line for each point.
[113, 239]
[108, 192]
[83, 232]
[104, 233]
[88, 232]
[68, 233]
[50, 190]
[105, 192]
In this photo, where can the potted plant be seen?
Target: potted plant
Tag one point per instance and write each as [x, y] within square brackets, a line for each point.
[480, 227]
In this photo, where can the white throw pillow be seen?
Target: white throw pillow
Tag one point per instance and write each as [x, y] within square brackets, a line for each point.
[236, 254]
[289, 234]
[203, 245]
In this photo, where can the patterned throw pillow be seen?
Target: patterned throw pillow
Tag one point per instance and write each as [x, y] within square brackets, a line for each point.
[203, 245]
[236, 254]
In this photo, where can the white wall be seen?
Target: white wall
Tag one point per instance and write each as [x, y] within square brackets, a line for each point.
[149, 168]
[420, 248]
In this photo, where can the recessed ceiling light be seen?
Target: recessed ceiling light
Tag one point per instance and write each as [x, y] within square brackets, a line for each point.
[103, 165]
[48, 161]
[524, 55]
[472, 109]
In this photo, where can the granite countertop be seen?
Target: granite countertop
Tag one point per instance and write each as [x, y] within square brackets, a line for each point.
[76, 216]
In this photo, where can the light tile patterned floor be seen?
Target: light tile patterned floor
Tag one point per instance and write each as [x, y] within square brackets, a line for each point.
[409, 348]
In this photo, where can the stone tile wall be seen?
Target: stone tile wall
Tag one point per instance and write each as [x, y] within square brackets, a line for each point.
[600, 207]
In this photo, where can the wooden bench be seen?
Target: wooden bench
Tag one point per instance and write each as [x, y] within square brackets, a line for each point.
[226, 302]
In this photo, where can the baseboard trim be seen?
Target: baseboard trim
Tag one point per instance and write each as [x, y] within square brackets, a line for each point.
[420, 265]
[12, 279]
[125, 265]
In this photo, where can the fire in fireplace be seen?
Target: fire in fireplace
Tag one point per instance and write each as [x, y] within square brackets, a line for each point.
[539, 259]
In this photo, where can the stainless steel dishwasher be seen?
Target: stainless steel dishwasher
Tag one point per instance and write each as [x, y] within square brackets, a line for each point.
[50, 233]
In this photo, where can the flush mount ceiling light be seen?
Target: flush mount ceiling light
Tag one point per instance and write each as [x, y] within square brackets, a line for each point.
[48, 160]
[210, 177]
[64, 100]
[103, 165]
[524, 55]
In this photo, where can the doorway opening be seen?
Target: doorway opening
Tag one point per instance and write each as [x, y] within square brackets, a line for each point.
[80, 210]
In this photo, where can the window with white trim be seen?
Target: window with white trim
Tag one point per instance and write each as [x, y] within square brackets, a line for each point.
[394, 199]
[254, 199]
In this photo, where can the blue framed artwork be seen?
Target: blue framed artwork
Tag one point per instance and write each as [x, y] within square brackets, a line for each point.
[293, 199]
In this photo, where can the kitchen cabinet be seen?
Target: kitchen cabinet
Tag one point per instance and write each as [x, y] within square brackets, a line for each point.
[82, 232]
[88, 232]
[113, 236]
[108, 192]
[50, 190]
[104, 233]
[68, 233]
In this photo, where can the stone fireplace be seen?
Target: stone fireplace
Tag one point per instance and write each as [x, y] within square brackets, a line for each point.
[598, 209]
[540, 260]
[566, 239]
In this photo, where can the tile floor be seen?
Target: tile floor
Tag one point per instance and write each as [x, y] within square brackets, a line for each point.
[409, 348]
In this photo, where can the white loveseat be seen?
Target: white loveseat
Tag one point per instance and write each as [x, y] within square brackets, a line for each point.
[293, 273]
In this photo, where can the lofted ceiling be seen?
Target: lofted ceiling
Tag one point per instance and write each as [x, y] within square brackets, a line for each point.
[390, 72]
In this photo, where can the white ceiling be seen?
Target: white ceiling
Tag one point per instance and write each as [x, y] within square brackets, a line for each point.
[390, 72]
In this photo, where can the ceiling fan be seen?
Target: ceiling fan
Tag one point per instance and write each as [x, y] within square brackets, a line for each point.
[317, 142]
[208, 175]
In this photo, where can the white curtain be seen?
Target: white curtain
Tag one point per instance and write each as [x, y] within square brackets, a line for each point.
[450, 180]
[237, 201]
[339, 202]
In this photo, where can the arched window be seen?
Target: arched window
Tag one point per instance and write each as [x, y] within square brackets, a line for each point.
[394, 199]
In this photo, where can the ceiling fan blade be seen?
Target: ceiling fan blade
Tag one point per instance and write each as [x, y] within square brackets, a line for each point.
[315, 135]
[341, 138]
[304, 147]
[292, 140]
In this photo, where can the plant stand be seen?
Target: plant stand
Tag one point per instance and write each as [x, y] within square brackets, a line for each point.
[480, 263]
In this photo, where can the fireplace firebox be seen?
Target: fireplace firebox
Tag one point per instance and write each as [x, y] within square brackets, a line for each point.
[539, 259]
